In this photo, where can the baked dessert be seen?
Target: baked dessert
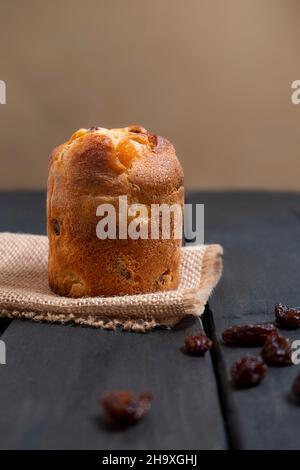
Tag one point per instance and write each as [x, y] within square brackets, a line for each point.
[94, 167]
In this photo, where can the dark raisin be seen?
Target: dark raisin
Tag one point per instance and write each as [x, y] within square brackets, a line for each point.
[120, 267]
[296, 386]
[277, 351]
[164, 278]
[198, 344]
[94, 128]
[287, 317]
[56, 224]
[136, 129]
[152, 139]
[248, 372]
[125, 273]
[248, 335]
[124, 407]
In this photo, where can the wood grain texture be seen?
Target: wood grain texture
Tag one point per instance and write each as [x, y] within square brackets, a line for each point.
[260, 233]
[55, 375]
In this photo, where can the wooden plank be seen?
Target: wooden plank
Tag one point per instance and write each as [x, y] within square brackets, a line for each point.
[23, 211]
[55, 375]
[260, 233]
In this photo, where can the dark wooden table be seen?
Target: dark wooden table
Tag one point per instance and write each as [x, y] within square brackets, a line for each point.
[55, 375]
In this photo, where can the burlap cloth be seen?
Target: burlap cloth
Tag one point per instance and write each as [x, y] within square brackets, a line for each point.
[24, 290]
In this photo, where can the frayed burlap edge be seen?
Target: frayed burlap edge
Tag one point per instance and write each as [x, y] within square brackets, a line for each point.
[127, 325]
[192, 302]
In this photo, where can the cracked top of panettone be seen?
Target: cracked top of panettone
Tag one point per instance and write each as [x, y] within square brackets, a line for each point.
[105, 161]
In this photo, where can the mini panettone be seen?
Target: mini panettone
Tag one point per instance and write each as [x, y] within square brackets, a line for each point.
[95, 167]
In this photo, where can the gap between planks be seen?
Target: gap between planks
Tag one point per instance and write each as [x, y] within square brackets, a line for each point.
[229, 413]
[4, 323]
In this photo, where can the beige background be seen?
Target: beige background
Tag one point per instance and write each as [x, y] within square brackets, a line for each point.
[213, 76]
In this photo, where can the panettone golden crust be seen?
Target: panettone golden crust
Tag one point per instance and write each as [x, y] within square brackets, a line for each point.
[97, 166]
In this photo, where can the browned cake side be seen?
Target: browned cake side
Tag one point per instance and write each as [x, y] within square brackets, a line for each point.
[94, 167]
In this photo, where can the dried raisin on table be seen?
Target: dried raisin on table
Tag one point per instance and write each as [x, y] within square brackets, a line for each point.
[198, 344]
[277, 351]
[124, 407]
[287, 317]
[248, 372]
[248, 335]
